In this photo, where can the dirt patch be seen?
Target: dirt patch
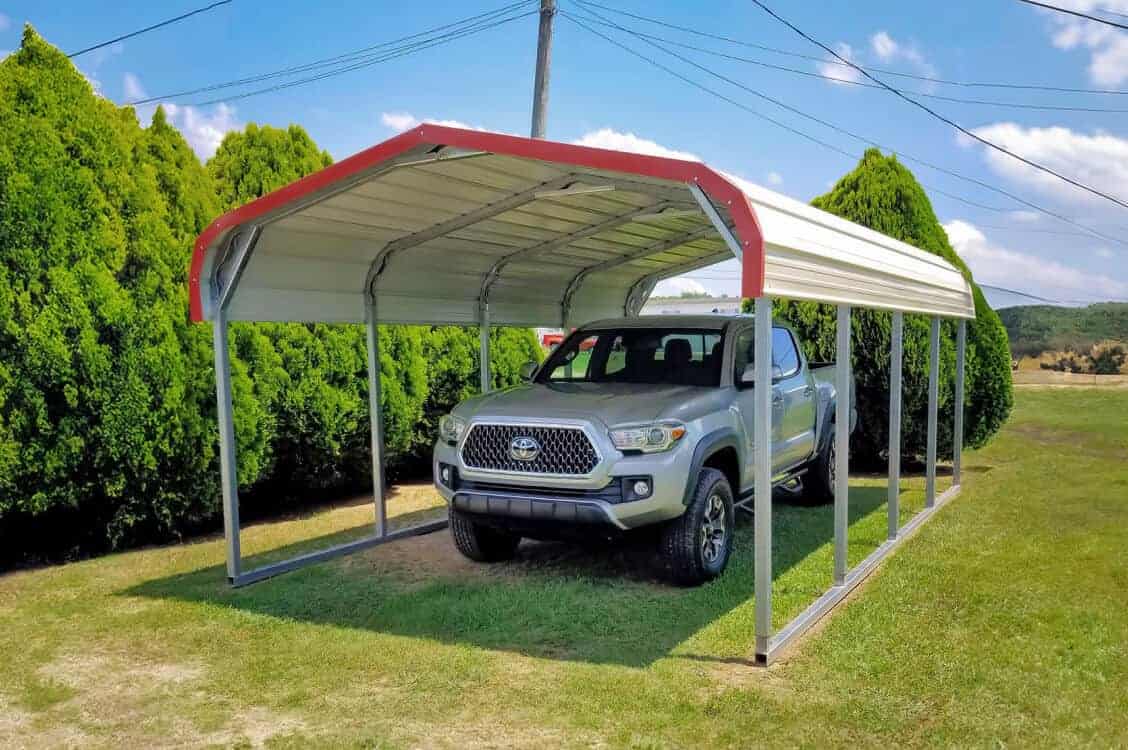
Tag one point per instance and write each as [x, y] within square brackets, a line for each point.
[114, 693]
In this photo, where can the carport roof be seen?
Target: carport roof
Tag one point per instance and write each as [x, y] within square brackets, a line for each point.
[438, 224]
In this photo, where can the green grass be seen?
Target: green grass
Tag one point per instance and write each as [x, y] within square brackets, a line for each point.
[1004, 622]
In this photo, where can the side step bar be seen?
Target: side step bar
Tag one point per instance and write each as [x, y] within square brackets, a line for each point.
[790, 482]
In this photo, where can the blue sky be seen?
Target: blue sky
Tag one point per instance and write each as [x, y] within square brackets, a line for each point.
[603, 96]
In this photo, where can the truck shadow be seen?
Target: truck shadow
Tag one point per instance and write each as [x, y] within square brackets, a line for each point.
[598, 604]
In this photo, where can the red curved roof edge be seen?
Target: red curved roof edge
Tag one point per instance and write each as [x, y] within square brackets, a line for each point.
[718, 187]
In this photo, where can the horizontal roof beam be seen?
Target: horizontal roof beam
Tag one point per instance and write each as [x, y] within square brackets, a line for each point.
[461, 222]
[653, 249]
[564, 240]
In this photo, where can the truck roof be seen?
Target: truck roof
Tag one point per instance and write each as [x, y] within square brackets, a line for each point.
[707, 322]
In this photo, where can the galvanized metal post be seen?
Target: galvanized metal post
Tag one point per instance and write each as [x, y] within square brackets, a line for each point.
[376, 427]
[544, 60]
[957, 432]
[896, 355]
[484, 347]
[762, 470]
[933, 407]
[228, 469]
[842, 445]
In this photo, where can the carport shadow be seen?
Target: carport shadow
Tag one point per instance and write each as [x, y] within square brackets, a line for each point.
[596, 604]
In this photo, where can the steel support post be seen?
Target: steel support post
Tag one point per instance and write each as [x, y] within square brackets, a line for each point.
[484, 347]
[896, 356]
[228, 468]
[933, 407]
[842, 445]
[376, 419]
[957, 432]
[762, 469]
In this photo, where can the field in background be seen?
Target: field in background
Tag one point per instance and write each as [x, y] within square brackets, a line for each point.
[1003, 623]
[1052, 377]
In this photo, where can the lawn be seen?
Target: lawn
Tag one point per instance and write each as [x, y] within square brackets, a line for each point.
[1004, 622]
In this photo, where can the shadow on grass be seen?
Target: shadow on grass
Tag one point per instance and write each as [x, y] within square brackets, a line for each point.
[595, 604]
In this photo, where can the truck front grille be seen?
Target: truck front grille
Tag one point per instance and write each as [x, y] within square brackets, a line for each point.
[560, 450]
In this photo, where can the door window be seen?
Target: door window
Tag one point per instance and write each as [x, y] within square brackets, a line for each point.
[784, 354]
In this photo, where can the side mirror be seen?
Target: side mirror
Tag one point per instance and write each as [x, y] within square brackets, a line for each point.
[528, 370]
[748, 377]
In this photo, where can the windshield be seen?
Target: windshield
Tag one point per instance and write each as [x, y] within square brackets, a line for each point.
[668, 356]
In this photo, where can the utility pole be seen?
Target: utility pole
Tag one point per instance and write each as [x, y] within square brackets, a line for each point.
[544, 59]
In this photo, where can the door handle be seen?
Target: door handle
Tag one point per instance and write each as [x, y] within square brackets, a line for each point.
[809, 390]
[777, 399]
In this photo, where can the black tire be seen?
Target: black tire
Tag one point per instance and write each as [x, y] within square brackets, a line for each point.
[479, 542]
[818, 482]
[690, 544]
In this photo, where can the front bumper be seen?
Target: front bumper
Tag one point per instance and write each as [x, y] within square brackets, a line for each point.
[586, 501]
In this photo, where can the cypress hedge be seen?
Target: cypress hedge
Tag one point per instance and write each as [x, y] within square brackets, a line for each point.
[107, 392]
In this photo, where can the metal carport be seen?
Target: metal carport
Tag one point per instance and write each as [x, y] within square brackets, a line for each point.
[442, 225]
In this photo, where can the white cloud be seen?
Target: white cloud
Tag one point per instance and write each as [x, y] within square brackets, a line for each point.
[775, 178]
[204, 130]
[1026, 217]
[400, 121]
[676, 286]
[1099, 160]
[838, 71]
[1104, 252]
[993, 264]
[889, 50]
[132, 87]
[1107, 46]
[614, 139]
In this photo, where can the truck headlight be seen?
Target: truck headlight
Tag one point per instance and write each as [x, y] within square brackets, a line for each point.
[648, 438]
[451, 427]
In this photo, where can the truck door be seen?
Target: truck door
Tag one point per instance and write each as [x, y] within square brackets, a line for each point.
[793, 397]
[743, 355]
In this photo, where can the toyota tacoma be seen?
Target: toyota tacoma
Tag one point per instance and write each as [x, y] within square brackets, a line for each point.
[632, 423]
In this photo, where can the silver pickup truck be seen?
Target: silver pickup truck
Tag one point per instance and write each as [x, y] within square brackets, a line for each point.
[631, 423]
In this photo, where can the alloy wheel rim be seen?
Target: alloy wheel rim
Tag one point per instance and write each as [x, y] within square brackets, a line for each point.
[713, 531]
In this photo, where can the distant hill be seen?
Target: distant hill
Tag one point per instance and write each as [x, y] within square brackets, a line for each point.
[1034, 329]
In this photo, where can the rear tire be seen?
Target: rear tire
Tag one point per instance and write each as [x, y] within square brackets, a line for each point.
[697, 545]
[479, 542]
[818, 482]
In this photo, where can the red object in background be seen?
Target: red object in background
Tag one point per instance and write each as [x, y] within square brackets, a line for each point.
[550, 340]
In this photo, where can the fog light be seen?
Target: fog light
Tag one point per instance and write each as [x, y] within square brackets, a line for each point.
[445, 474]
[641, 488]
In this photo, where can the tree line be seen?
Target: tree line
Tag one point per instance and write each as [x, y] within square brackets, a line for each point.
[107, 391]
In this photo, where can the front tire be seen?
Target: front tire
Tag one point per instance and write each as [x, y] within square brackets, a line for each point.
[698, 544]
[479, 542]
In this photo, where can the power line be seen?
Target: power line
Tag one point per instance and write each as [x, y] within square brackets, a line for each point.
[813, 118]
[166, 22]
[815, 58]
[349, 61]
[1077, 13]
[948, 121]
[862, 84]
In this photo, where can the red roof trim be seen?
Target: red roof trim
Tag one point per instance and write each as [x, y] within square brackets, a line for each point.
[719, 188]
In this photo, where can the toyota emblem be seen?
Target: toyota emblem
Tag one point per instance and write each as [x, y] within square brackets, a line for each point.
[524, 448]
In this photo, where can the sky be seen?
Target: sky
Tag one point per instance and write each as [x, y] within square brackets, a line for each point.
[601, 95]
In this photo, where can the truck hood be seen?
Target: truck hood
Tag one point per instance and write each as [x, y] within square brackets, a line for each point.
[609, 403]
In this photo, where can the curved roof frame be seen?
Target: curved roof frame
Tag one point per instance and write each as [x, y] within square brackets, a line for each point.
[223, 251]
